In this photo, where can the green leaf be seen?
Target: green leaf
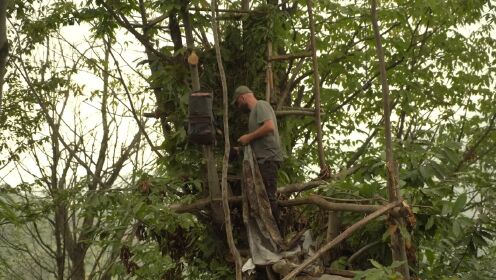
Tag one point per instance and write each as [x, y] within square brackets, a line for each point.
[396, 264]
[376, 264]
[459, 204]
[457, 230]
[430, 223]
[429, 254]
[446, 208]
[426, 171]
[7, 211]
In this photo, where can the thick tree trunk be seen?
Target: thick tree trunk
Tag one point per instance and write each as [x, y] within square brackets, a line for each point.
[59, 241]
[77, 256]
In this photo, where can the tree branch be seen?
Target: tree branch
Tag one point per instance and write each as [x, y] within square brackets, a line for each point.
[123, 21]
[397, 242]
[341, 237]
[225, 162]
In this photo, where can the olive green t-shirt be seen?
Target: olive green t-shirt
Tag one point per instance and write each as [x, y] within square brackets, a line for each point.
[269, 146]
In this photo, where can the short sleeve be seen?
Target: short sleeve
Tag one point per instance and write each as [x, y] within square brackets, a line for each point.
[264, 112]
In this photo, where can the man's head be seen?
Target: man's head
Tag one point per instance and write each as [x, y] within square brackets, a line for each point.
[242, 98]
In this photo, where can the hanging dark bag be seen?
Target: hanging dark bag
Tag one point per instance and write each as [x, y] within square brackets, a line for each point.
[200, 126]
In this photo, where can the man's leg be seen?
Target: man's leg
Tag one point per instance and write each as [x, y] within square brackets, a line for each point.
[268, 170]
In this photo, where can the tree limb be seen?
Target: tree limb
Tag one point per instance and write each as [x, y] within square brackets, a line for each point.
[397, 242]
[225, 162]
[123, 21]
[341, 237]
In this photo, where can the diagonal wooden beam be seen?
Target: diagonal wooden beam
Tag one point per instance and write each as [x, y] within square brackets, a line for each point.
[341, 237]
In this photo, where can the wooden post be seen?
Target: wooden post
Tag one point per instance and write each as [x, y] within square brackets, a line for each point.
[269, 76]
[397, 242]
[208, 153]
[331, 233]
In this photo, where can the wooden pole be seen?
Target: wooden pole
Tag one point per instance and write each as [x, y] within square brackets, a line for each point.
[212, 175]
[316, 89]
[269, 76]
[332, 231]
[397, 242]
[225, 201]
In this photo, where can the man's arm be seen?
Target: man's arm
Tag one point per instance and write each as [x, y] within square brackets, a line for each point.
[266, 128]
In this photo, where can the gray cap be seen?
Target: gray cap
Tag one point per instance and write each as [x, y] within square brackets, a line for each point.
[240, 91]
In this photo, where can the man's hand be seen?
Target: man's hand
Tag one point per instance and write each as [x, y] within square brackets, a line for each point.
[244, 139]
[261, 131]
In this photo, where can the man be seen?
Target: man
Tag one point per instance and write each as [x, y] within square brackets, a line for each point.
[263, 136]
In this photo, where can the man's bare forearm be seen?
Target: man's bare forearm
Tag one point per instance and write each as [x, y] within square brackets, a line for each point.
[262, 131]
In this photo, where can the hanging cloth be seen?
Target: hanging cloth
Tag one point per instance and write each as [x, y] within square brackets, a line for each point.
[264, 238]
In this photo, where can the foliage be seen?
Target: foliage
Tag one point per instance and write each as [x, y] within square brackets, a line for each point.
[439, 56]
[380, 272]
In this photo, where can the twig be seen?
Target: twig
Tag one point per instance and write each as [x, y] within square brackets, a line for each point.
[361, 251]
[133, 110]
[291, 83]
[124, 22]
